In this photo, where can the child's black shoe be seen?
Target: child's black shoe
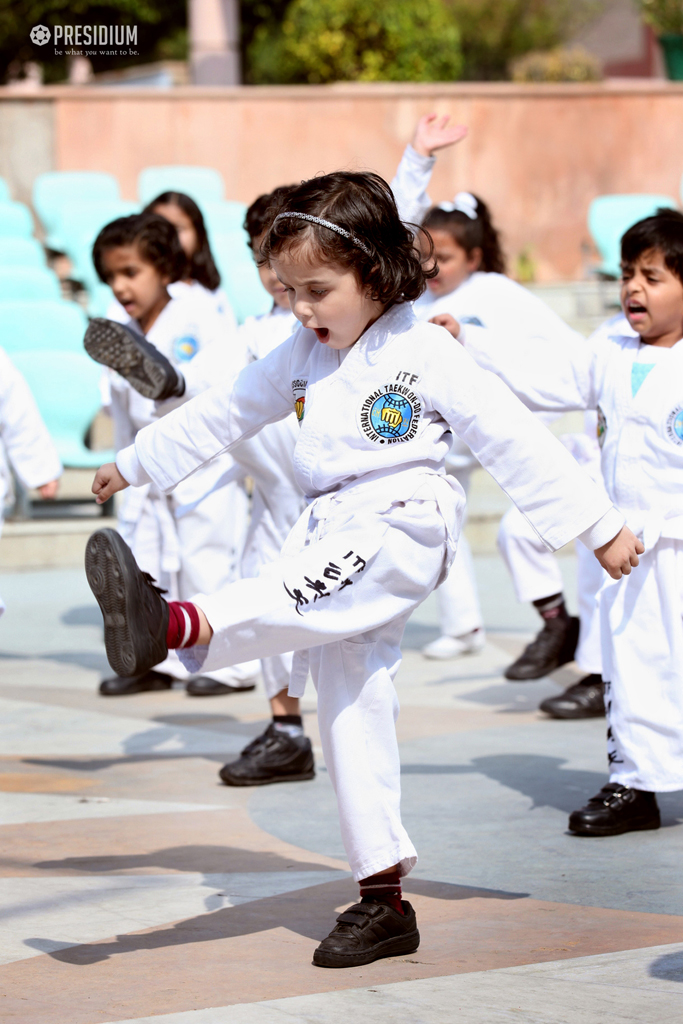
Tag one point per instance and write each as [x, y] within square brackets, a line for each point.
[274, 756]
[135, 358]
[366, 932]
[555, 645]
[614, 810]
[135, 614]
[121, 686]
[585, 699]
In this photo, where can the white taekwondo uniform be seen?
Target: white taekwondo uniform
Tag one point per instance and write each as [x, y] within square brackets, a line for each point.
[277, 501]
[217, 301]
[25, 444]
[495, 301]
[637, 391]
[192, 540]
[380, 532]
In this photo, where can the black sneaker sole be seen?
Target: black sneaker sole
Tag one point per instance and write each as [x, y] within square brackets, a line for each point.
[111, 569]
[398, 945]
[301, 777]
[111, 344]
[605, 830]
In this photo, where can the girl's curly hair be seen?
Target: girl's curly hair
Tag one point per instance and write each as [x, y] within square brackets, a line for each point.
[361, 203]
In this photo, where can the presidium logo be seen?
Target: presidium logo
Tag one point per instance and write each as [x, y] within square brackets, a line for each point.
[40, 34]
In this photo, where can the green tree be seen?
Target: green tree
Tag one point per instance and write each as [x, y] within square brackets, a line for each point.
[358, 40]
[493, 33]
[159, 28]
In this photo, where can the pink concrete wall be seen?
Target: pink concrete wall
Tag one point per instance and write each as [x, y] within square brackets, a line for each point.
[537, 154]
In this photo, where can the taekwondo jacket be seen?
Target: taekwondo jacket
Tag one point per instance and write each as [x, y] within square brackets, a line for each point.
[637, 392]
[382, 412]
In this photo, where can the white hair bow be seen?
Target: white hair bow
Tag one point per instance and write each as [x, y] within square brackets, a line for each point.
[463, 202]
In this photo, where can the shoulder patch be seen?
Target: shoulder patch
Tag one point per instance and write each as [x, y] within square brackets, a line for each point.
[390, 414]
[185, 348]
[601, 428]
[299, 388]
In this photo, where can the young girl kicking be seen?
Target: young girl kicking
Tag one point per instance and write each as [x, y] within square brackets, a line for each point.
[377, 394]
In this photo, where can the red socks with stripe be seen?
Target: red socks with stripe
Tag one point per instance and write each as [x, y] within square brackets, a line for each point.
[384, 888]
[183, 624]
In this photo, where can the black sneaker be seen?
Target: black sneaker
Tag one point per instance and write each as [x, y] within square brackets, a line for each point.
[205, 686]
[274, 756]
[367, 932]
[135, 614]
[585, 699]
[616, 809]
[555, 645]
[120, 686]
[135, 358]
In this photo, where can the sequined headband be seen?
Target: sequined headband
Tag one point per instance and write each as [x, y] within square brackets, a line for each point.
[326, 224]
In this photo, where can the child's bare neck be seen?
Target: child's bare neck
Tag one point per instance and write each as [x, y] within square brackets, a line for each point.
[148, 320]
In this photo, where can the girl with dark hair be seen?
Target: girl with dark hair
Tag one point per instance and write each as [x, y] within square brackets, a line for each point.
[377, 394]
[201, 274]
[471, 287]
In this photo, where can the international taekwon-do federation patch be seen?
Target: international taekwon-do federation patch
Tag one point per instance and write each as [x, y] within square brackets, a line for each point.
[390, 414]
[601, 428]
[674, 425]
[185, 348]
[299, 388]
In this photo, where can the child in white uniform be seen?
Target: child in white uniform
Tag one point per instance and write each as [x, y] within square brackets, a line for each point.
[379, 394]
[636, 386]
[185, 548]
[200, 277]
[25, 444]
[471, 286]
[282, 752]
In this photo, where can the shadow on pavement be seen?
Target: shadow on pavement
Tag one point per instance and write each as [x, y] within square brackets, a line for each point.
[668, 967]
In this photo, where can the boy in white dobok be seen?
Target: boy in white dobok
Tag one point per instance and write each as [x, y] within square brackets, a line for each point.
[379, 394]
[25, 444]
[635, 383]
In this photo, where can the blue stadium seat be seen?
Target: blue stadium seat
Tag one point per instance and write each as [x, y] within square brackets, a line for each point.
[15, 220]
[21, 252]
[52, 190]
[22, 284]
[223, 217]
[65, 386]
[610, 216]
[203, 184]
[42, 325]
[79, 225]
[239, 276]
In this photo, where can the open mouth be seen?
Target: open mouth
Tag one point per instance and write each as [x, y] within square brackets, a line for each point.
[635, 309]
[322, 334]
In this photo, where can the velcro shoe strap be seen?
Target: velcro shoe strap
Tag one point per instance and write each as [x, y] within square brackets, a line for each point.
[359, 913]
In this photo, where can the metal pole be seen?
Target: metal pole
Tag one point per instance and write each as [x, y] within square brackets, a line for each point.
[214, 42]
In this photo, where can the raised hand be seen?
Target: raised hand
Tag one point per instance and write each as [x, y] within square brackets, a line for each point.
[433, 132]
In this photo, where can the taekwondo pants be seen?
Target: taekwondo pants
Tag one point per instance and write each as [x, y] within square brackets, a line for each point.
[340, 595]
[459, 610]
[642, 634]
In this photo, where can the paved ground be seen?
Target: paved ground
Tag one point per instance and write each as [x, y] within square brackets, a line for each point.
[135, 888]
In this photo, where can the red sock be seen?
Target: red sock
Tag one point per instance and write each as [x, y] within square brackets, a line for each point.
[183, 624]
[384, 888]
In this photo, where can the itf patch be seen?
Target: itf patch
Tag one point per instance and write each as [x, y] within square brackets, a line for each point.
[390, 414]
[601, 428]
[674, 425]
[185, 348]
